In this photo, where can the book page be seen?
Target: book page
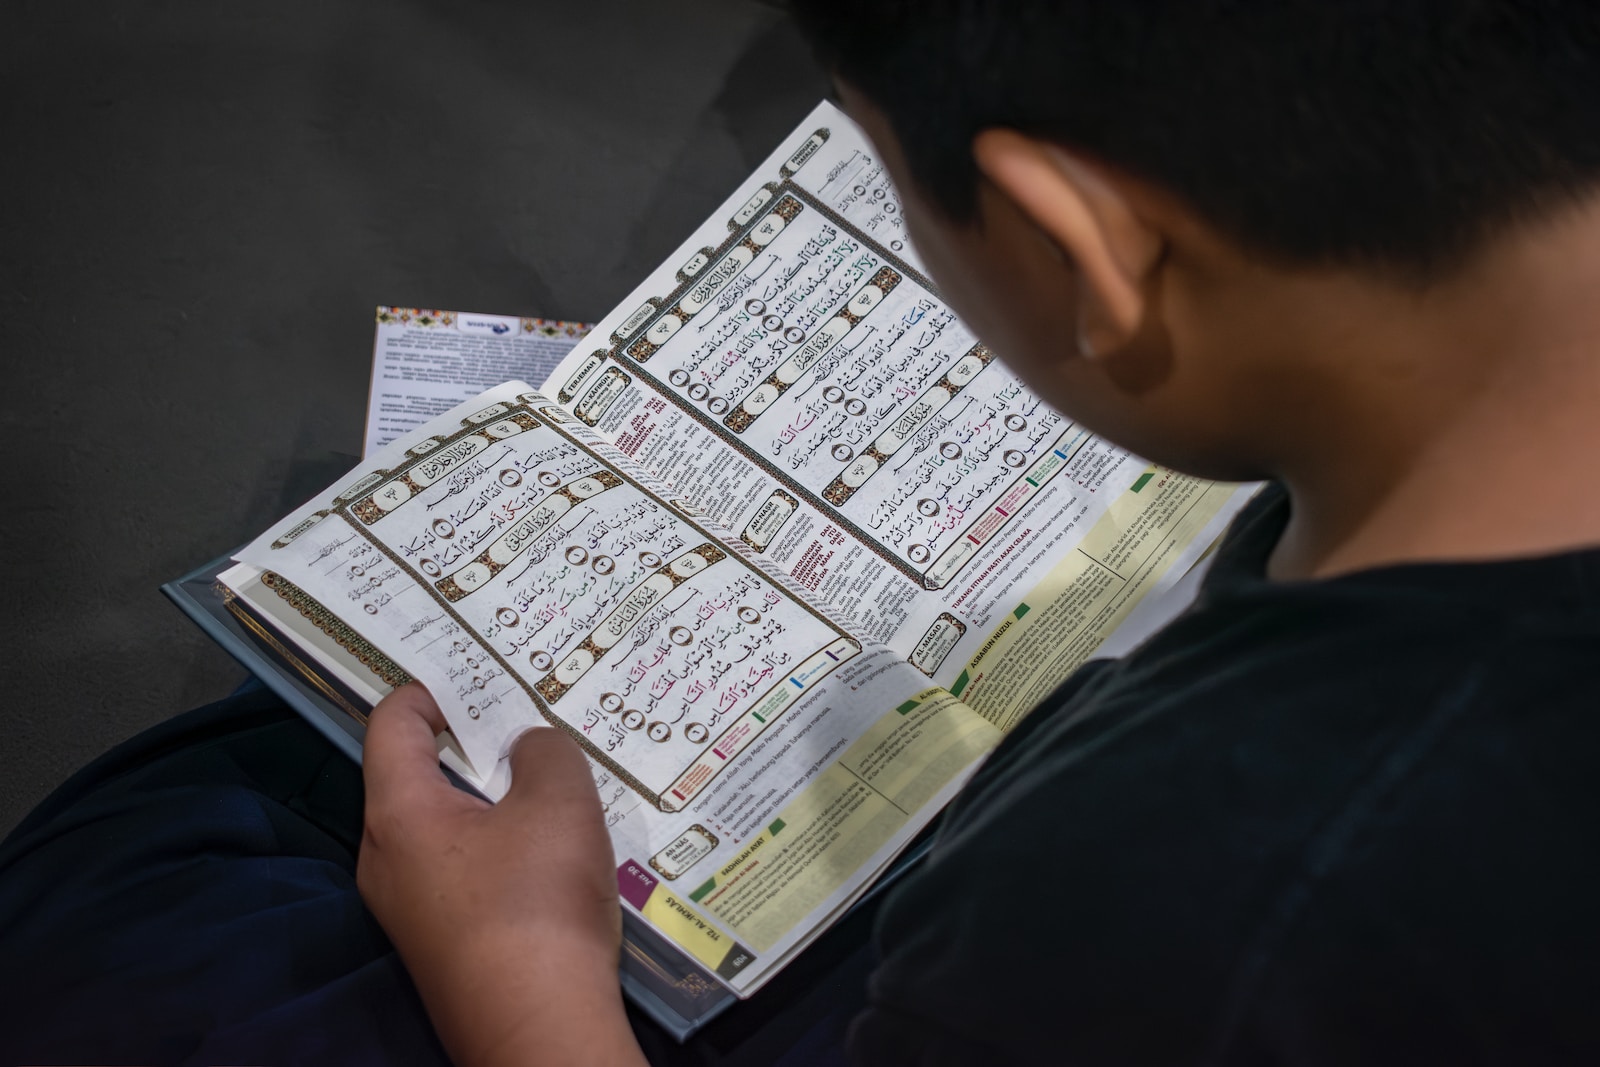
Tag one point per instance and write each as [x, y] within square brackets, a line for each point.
[426, 361]
[793, 371]
[758, 761]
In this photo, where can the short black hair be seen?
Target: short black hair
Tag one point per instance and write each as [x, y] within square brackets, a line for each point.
[1393, 133]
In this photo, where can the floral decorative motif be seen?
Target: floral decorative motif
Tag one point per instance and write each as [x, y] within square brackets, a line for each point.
[334, 627]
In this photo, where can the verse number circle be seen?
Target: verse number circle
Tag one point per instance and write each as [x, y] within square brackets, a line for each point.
[650, 559]
[659, 732]
[443, 528]
[549, 479]
[610, 703]
[604, 564]
[697, 733]
[542, 660]
[927, 507]
[749, 615]
[950, 450]
[510, 477]
[771, 323]
[919, 553]
[897, 246]
[754, 307]
[842, 453]
[718, 405]
[430, 568]
[699, 391]
[1016, 423]
[855, 406]
[680, 635]
[577, 556]
[1014, 458]
[679, 377]
[832, 394]
[794, 335]
[507, 617]
[633, 718]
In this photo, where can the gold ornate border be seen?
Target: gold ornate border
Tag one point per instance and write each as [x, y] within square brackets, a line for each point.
[231, 601]
[794, 506]
[655, 861]
[336, 628]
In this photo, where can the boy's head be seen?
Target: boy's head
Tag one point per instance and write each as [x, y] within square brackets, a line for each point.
[1154, 208]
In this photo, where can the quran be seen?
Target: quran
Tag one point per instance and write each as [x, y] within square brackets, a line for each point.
[780, 543]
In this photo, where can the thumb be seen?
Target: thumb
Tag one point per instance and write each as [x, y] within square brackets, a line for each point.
[549, 770]
[400, 758]
[553, 792]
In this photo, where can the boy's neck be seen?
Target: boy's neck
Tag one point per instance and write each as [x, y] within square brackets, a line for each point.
[1471, 431]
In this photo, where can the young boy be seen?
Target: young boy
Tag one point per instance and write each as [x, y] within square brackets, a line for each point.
[1341, 810]
[1338, 811]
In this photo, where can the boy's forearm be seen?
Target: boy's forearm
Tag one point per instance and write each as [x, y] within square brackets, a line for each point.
[533, 1002]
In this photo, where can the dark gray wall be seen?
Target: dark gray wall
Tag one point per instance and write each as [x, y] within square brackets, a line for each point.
[200, 204]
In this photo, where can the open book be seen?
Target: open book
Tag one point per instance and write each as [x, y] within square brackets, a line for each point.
[781, 545]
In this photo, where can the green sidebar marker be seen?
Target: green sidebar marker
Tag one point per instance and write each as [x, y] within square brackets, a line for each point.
[777, 824]
[961, 683]
[711, 883]
[907, 708]
[1144, 480]
[1022, 609]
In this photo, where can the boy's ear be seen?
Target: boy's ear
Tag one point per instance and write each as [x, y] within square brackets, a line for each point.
[1080, 209]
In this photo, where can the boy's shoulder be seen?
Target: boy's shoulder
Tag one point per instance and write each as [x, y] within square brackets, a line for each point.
[1331, 808]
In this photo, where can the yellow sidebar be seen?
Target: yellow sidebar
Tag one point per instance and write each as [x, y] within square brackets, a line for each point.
[828, 834]
[678, 921]
[1064, 618]
[918, 749]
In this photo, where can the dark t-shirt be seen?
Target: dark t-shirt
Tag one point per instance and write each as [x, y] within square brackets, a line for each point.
[1320, 822]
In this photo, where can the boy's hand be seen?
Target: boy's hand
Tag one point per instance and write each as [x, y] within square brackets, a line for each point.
[506, 915]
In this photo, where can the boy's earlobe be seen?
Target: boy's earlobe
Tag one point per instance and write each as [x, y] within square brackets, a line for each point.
[1081, 211]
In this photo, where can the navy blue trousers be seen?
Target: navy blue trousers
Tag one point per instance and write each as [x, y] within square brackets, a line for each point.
[190, 897]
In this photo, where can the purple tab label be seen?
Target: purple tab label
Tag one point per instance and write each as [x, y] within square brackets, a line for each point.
[635, 884]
